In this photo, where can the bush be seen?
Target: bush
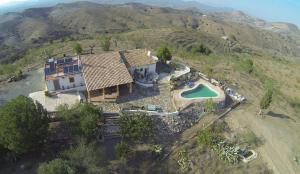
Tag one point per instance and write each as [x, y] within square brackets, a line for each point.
[23, 125]
[295, 104]
[209, 106]
[205, 137]
[77, 48]
[201, 49]
[122, 150]
[247, 65]
[47, 94]
[85, 158]
[266, 100]
[105, 43]
[250, 138]
[183, 161]
[57, 166]
[136, 125]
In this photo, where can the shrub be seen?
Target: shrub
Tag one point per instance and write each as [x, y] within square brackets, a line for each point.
[209, 106]
[57, 166]
[232, 37]
[122, 150]
[136, 125]
[23, 125]
[266, 100]
[77, 48]
[205, 137]
[201, 49]
[85, 158]
[47, 94]
[19, 74]
[295, 104]
[183, 161]
[105, 43]
[247, 65]
[250, 138]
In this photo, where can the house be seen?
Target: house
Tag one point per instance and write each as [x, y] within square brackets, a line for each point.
[64, 74]
[141, 64]
[102, 76]
[105, 76]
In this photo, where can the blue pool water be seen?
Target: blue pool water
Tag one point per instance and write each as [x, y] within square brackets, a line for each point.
[200, 91]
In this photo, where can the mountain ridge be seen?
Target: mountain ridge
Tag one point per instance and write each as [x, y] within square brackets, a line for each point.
[67, 19]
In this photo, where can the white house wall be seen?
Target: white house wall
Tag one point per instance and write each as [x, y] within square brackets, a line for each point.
[64, 82]
[50, 85]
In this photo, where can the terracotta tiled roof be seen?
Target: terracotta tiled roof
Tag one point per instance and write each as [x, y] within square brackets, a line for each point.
[104, 70]
[137, 57]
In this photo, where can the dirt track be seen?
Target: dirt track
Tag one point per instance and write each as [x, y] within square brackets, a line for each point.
[281, 137]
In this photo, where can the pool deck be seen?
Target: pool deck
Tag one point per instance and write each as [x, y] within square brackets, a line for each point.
[181, 102]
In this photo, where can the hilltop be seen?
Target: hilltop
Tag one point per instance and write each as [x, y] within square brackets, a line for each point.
[19, 31]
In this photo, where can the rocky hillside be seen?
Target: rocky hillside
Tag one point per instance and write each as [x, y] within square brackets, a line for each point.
[35, 26]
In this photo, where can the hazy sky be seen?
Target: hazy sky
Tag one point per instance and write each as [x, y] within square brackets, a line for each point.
[273, 10]
[7, 1]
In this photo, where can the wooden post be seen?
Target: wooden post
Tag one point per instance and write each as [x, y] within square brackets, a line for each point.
[130, 88]
[118, 91]
[103, 93]
[89, 96]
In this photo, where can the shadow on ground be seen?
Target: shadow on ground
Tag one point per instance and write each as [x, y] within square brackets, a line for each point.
[278, 115]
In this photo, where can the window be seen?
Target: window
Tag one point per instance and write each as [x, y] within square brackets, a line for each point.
[71, 79]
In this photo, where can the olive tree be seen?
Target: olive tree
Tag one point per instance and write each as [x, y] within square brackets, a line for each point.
[23, 125]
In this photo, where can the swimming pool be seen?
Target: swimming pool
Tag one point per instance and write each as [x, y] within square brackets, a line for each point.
[201, 91]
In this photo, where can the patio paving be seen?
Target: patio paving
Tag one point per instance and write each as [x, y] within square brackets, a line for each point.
[51, 103]
[158, 95]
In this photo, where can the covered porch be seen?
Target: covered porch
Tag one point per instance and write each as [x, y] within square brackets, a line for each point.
[109, 93]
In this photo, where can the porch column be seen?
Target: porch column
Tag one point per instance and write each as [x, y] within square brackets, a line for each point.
[130, 88]
[118, 91]
[103, 93]
[89, 96]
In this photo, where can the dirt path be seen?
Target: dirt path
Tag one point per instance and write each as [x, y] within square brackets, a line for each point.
[281, 138]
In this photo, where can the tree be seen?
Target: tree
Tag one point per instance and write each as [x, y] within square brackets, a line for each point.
[209, 105]
[83, 117]
[77, 48]
[136, 125]
[23, 125]
[164, 54]
[57, 166]
[105, 43]
[122, 149]
[266, 101]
